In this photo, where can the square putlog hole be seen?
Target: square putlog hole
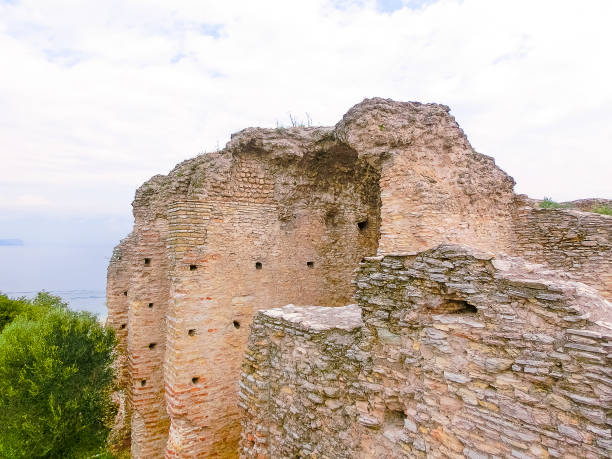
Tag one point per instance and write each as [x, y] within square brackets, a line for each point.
[193, 267]
[147, 262]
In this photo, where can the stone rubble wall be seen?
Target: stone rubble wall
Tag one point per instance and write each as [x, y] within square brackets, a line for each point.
[587, 205]
[296, 380]
[461, 355]
[578, 243]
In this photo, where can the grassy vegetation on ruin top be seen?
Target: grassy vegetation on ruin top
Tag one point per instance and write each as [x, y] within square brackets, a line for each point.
[548, 203]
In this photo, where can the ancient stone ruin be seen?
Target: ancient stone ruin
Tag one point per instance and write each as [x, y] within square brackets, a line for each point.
[375, 289]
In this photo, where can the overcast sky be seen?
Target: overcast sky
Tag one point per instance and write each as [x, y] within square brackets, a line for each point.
[97, 96]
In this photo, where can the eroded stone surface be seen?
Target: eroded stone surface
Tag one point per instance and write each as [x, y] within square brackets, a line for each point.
[461, 355]
[316, 318]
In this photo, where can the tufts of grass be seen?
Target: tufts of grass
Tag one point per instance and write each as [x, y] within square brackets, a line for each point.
[603, 209]
[294, 122]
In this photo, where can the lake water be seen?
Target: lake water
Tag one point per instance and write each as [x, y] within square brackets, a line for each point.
[77, 274]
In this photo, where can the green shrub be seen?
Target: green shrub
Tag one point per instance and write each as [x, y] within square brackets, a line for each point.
[55, 383]
[603, 209]
[548, 203]
[10, 309]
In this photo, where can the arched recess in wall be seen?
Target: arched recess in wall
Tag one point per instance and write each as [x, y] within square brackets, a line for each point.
[329, 197]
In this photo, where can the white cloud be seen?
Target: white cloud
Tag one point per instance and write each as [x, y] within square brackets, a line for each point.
[95, 97]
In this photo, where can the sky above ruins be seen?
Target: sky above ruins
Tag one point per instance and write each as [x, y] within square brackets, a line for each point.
[96, 97]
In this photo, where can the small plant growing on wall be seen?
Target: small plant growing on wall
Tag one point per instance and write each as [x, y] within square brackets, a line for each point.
[548, 203]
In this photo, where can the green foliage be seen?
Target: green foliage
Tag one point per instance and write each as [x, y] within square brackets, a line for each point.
[46, 300]
[10, 309]
[55, 382]
[603, 209]
[548, 203]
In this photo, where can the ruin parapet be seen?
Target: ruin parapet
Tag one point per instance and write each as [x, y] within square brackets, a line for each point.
[462, 354]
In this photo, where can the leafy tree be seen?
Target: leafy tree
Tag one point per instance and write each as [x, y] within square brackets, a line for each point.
[10, 309]
[46, 301]
[55, 383]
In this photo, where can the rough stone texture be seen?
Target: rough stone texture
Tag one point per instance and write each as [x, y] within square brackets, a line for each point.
[461, 355]
[288, 202]
[434, 187]
[579, 243]
[587, 205]
[284, 216]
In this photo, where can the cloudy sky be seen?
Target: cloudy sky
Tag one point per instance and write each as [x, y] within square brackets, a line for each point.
[96, 97]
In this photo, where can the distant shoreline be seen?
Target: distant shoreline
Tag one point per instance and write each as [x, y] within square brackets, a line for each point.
[93, 301]
[11, 243]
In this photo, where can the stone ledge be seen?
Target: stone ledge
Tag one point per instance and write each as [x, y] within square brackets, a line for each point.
[319, 318]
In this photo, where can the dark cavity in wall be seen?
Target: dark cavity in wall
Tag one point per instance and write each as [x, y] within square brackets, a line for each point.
[393, 424]
[342, 187]
[454, 306]
[331, 217]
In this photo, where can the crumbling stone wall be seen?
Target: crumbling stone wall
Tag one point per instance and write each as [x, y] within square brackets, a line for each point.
[298, 370]
[461, 355]
[577, 242]
[227, 234]
[434, 187]
[284, 216]
[262, 244]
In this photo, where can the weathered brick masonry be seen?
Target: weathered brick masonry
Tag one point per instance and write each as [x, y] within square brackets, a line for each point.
[285, 216]
[459, 355]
